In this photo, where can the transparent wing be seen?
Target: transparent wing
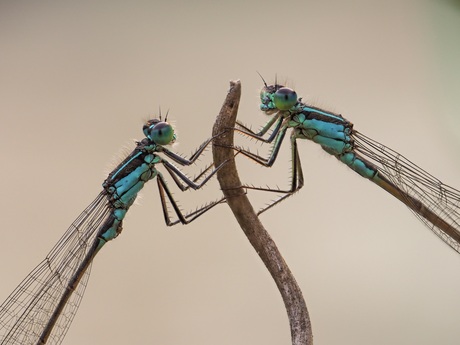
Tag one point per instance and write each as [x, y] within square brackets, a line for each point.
[436, 197]
[26, 312]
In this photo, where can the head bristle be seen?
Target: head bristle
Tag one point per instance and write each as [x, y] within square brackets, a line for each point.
[260, 75]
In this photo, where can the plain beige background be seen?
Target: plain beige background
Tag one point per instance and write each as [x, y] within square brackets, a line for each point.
[77, 79]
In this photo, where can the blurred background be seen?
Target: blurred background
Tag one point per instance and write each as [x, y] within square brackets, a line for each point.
[79, 78]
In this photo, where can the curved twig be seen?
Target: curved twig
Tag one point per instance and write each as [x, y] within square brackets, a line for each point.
[257, 235]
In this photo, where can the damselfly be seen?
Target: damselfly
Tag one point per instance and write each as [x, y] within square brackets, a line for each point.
[433, 202]
[41, 309]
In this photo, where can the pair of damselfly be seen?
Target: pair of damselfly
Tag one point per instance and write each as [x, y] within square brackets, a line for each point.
[41, 309]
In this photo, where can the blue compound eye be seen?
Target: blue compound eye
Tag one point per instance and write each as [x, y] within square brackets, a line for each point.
[161, 133]
[285, 98]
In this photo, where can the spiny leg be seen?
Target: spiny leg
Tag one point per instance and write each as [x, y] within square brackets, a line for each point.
[297, 179]
[278, 118]
[179, 176]
[267, 162]
[184, 161]
[174, 172]
[184, 219]
[196, 178]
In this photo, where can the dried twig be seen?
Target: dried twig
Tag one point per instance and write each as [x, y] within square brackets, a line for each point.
[259, 238]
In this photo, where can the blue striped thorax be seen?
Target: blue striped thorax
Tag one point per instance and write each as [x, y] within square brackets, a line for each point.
[129, 177]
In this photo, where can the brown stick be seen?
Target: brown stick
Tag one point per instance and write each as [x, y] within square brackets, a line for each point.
[263, 244]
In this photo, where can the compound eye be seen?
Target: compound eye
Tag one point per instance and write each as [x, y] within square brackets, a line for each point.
[161, 133]
[285, 98]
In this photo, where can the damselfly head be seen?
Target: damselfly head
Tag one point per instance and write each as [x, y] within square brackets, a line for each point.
[277, 97]
[160, 132]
